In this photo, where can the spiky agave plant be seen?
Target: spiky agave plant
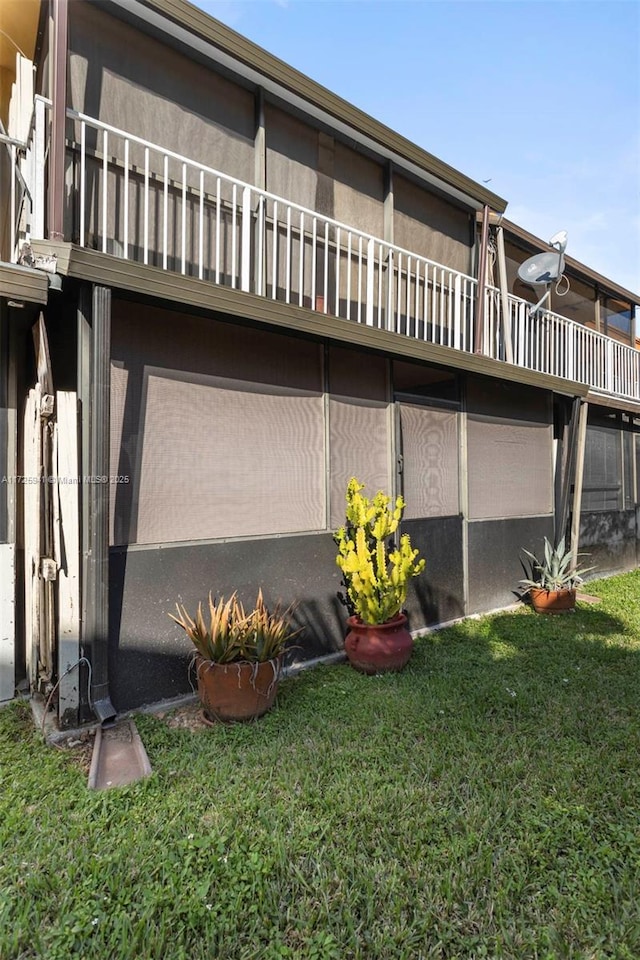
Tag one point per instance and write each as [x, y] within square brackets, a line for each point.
[224, 638]
[554, 571]
[232, 634]
[269, 631]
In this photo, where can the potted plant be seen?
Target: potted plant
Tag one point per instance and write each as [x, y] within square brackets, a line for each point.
[376, 570]
[238, 655]
[551, 581]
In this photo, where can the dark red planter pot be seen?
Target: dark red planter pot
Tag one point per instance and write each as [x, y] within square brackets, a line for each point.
[378, 647]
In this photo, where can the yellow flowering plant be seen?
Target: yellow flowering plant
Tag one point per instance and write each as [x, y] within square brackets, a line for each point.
[375, 568]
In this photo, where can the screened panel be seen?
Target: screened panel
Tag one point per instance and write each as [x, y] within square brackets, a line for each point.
[359, 441]
[235, 451]
[509, 450]
[629, 475]
[429, 461]
[602, 480]
[510, 468]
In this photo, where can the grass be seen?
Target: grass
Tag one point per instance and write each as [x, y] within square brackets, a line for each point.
[483, 803]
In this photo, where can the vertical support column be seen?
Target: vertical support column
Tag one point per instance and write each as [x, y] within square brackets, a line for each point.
[504, 297]
[482, 283]
[94, 345]
[67, 549]
[577, 486]
[59, 50]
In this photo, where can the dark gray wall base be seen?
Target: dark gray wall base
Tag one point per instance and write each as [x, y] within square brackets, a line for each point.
[437, 595]
[610, 540]
[495, 549]
[149, 654]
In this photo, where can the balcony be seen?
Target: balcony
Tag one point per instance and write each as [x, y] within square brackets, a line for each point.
[135, 200]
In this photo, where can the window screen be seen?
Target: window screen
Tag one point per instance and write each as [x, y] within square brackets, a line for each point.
[602, 479]
[509, 451]
[219, 428]
[429, 461]
[358, 426]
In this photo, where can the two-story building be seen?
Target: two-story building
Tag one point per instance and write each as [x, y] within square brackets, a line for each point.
[224, 291]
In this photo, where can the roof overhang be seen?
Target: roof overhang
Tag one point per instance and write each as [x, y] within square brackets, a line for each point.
[20, 285]
[183, 24]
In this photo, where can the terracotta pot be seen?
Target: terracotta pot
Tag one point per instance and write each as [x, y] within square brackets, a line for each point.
[552, 601]
[378, 647]
[237, 691]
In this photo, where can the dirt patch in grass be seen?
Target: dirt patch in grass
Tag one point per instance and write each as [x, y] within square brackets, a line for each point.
[188, 717]
[79, 749]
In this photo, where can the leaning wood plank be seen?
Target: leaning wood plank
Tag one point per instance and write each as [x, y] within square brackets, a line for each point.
[7, 622]
[67, 542]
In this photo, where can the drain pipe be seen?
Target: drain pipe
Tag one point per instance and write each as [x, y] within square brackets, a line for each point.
[482, 282]
[94, 390]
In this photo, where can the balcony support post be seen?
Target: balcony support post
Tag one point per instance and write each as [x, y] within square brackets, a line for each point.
[482, 283]
[577, 483]
[59, 46]
[504, 296]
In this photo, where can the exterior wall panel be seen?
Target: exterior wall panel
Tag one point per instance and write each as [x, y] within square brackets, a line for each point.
[437, 595]
[494, 558]
[509, 451]
[149, 654]
[428, 225]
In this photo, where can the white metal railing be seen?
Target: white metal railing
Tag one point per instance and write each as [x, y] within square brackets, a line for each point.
[553, 344]
[207, 224]
[141, 201]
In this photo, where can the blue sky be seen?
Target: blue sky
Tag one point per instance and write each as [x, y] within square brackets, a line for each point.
[539, 97]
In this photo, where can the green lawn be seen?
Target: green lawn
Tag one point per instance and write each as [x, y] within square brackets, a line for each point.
[483, 803]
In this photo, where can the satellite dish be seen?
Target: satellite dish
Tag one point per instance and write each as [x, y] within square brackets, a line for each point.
[542, 268]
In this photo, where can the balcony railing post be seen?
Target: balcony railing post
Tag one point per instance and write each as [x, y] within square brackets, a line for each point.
[457, 305]
[370, 281]
[609, 381]
[245, 254]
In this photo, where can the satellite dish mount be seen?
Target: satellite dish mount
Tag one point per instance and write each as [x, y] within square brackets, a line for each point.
[542, 269]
